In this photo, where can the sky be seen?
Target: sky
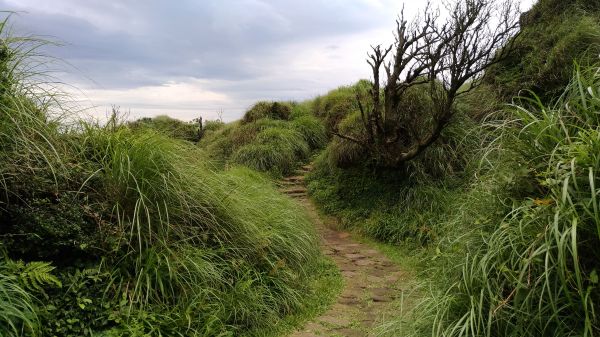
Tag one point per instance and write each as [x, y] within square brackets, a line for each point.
[209, 58]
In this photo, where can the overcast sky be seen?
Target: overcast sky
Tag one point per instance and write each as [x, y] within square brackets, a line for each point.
[188, 58]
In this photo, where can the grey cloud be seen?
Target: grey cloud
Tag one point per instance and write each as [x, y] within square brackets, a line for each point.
[204, 39]
[239, 47]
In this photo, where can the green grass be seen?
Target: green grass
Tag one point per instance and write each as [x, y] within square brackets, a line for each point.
[334, 106]
[501, 216]
[147, 237]
[554, 34]
[534, 272]
[172, 127]
[268, 142]
[324, 288]
[17, 309]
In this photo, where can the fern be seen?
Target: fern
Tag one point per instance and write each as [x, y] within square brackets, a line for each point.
[33, 276]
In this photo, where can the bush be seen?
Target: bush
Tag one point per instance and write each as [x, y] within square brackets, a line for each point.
[536, 272]
[170, 127]
[272, 110]
[553, 34]
[213, 125]
[50, 229]
[147, 238]
[333, 107]
[276, 149]
[312, 131]
[266, 144]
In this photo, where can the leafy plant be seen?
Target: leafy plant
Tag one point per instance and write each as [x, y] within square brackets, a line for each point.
[17, 306]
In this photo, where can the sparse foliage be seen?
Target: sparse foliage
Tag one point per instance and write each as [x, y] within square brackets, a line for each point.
[435, 58]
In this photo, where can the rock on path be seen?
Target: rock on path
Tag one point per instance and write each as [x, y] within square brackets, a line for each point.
[371, 281]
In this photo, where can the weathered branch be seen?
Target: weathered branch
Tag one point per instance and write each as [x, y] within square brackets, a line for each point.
[441, 58]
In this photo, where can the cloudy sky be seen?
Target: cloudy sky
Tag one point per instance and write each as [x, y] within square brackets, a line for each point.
[188, 58]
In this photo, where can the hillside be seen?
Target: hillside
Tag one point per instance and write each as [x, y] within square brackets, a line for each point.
[434, 204]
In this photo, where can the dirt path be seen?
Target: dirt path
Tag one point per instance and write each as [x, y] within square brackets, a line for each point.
[371, 280]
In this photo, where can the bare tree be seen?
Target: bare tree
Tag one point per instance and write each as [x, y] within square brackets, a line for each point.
[444, 58]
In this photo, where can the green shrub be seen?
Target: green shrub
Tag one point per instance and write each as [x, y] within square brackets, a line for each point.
[213, 125]
[553, 34]
[266, 144]
[301, 109]
[49, 229]
[276, 149]
[312, 131]
[535, 274]
[170, 127]
[272, 110]
[264, 157]
[333, 107]
[345, 153]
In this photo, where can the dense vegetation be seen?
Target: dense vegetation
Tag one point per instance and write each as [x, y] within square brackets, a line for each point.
[271, 137]
[121, 230]
[503, 209]
[554, 33]
[130, 229]
[170, 127]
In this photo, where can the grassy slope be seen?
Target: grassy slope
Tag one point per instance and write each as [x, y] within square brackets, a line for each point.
[555, 33]
[272, 137]
[138, 233]
[490, 263]
[501, 214]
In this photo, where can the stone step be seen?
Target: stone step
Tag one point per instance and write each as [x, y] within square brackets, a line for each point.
[294, 190]
[298, 178]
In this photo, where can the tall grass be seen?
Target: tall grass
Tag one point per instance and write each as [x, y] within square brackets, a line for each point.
[536, 273]
[147, 238]
[266, 141]
[17, 306]
[219, 247]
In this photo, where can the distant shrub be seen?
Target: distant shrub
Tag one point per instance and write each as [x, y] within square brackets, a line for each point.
[301, 109]
[273, 110]
[264, 157]
[170, 127]
[312, 131]
[213, 125]
[218, 144]
[267, 143]
[333, 107]
[288, 139]
[276, 149]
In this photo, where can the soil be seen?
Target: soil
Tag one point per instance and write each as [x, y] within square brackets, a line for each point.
[371, 280]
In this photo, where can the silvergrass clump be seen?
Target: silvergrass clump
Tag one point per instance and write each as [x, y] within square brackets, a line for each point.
[172, 127]
[333, 107]
[268, 144]
[169, 207]
[554, 33]
[537, 273]
[149, 240]
[272, 110]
